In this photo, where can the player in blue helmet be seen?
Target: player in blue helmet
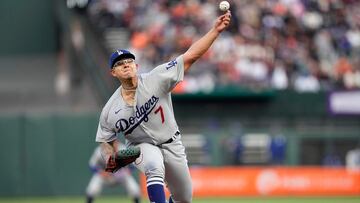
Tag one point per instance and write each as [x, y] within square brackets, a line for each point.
[101, 179]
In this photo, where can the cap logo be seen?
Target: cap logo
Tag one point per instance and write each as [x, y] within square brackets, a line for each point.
[119, 52]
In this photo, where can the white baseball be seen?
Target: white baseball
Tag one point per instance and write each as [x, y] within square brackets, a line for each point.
[224, 5]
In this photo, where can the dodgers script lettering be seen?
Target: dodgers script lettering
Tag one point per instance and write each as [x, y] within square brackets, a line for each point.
[141, 114]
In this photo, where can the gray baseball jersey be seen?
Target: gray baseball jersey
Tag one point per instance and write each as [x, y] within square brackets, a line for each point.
[151, 119]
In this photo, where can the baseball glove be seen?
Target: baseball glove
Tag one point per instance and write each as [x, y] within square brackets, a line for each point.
[122, 158]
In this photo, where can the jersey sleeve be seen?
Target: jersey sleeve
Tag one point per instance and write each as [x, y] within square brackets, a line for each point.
[104, 132]
[169, 74]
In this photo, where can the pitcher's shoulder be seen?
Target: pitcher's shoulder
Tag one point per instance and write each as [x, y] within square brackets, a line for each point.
[112, 100]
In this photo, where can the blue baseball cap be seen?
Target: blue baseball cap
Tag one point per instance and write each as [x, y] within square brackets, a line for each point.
[118, 55]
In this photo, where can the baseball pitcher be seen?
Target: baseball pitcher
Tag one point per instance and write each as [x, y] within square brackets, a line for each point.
[141, 110]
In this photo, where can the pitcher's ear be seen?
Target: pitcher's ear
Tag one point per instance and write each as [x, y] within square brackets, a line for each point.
[112, 72]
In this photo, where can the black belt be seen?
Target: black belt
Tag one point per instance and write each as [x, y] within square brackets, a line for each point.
[173, 138]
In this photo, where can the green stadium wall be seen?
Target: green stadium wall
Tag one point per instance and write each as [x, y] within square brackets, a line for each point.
[47, 154]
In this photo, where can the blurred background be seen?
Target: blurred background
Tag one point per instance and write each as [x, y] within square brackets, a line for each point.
[280, 89]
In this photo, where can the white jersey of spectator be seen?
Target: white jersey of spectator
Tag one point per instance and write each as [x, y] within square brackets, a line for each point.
[279, 78]
[353, 159]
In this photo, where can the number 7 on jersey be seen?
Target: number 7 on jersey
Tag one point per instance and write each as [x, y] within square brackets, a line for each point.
[161, 113]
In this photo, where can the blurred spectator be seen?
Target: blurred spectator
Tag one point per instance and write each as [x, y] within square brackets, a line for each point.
[353, 159]
[279, 79]
[332, 160]
[278, 149]
[306, 45]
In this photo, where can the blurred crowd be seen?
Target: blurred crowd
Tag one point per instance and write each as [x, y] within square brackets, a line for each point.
[305, 45]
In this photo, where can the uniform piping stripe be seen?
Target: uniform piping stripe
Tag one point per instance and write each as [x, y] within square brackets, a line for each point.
[155, 179]
[153, 183]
